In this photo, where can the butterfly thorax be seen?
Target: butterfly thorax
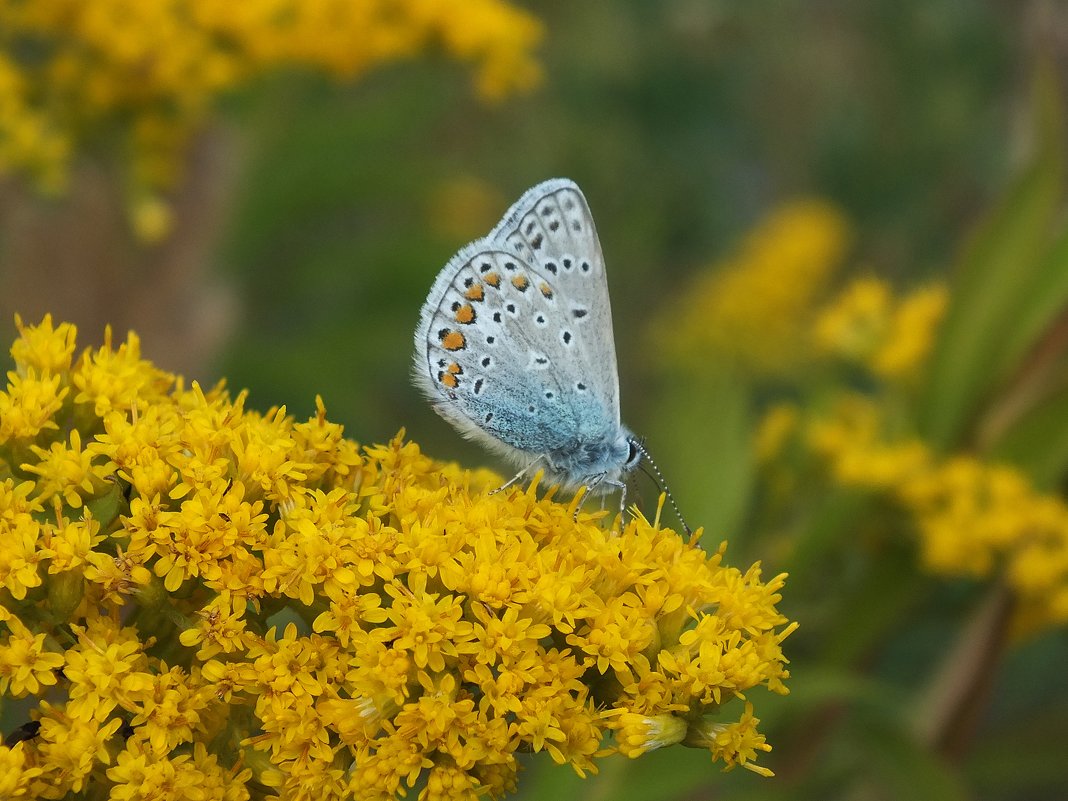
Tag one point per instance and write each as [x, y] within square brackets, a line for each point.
[598, 463]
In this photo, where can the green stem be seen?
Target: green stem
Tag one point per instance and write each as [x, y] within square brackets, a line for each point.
[947, 713]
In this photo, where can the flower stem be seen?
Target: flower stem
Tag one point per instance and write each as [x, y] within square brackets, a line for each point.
[948, 711]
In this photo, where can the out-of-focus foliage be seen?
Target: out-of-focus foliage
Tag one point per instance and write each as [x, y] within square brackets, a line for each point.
[878, 470]
[149, 71]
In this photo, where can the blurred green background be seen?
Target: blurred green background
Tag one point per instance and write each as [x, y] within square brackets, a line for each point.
[331, 207]
[682, 121]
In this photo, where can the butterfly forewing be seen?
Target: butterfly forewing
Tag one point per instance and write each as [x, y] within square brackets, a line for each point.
[553, 231]
[516, 334]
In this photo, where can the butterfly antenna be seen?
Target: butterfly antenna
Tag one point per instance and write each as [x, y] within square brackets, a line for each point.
[658, 478]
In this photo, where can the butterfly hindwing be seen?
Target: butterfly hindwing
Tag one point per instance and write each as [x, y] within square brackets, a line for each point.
[486, 367]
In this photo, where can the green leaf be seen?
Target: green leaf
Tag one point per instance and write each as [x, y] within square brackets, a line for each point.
[705, 429]
[1038, 443]
[814, 687]
[669, 773]
[996, 282]
[835, 519]
[106, 508]
[876, 606]
[1046, 300]
[903, 768]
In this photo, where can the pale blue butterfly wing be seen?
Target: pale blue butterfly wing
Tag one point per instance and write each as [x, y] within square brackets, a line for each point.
[515, 344]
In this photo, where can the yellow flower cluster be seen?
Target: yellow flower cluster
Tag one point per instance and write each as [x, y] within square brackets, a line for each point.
[867, 325]
[973, 518]
[153, 67]
[756, 306]
[29, 141]
[204, 602]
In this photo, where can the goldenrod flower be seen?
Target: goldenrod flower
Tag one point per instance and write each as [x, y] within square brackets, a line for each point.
[776, 427]
[30, 142]
[69, 750]
[42, 348]
[142, 773]
[152, 70]
[104, 663]
[25, 661]
[16, 777]
[912, 332]
[222, 627]
[735, 743]
[972, 517]
[867, 325]
[637, 734]
[71, 542]
[334, 621]
[66, 472]
[754, 307]
[29, 404]
[854, 324]
[110, 378]
[23, 549]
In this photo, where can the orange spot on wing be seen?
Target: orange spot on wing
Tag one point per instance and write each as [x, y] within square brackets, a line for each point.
[455, 368]
[494, 280]
[448, 379]
[475, 293]
[465, 314]
[453, 340]
[520, 282]
[546, 290]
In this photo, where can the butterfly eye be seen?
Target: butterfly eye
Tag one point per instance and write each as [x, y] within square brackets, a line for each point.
[634, 454]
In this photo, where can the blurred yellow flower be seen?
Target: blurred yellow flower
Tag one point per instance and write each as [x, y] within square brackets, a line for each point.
[754, 307]
[972, 517]
[912, 332]
[854, 324]
[152, 70]
[776, 427]
[30, 142]
[151, 218]
[852, 439]
[184, 575]
[867, 325]
[976, 517]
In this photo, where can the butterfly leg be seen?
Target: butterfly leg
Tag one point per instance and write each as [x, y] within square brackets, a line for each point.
[622, 487]
[590, 483]
[515, 478]
[510, 481]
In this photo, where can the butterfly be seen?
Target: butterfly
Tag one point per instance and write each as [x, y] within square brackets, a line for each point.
[514, 345]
